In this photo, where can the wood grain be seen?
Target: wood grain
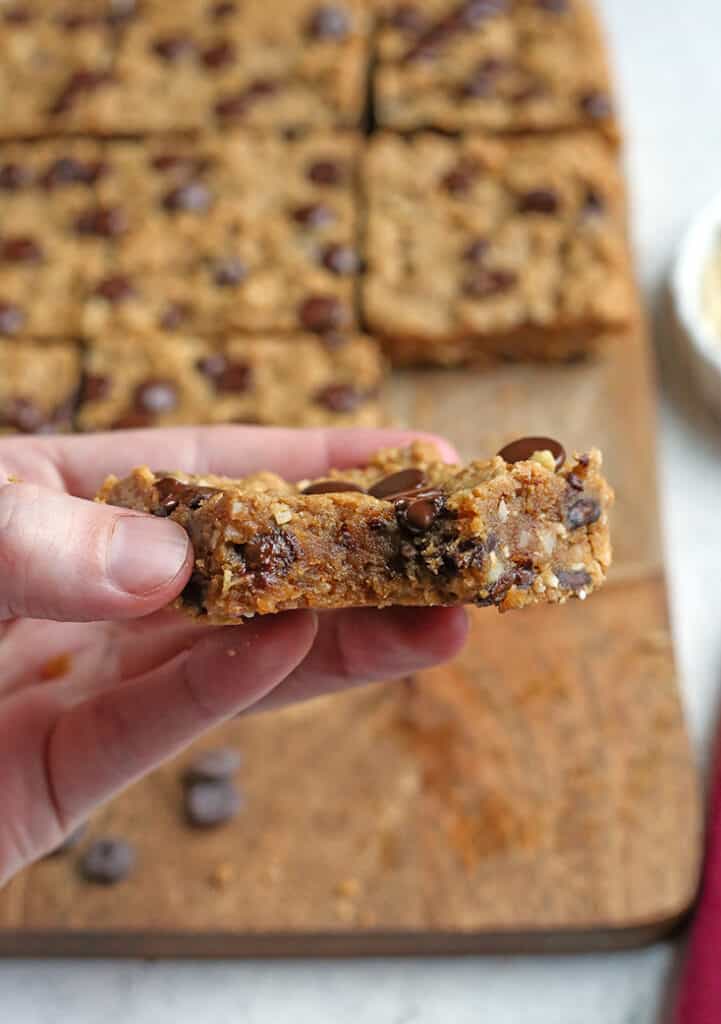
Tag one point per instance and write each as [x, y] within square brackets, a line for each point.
[537, 795]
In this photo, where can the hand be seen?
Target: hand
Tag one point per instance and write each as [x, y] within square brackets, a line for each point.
[99, 682]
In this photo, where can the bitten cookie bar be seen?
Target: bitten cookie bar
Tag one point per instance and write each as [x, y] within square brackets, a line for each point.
[525, 527]
[283, 381]
[497, 65]
[478, 248]
[38, 386]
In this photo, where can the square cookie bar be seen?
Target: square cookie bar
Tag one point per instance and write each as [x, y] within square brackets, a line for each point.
[249, 233]
[39, 385]
[480, 248]
[496, 65]
[525, 527]
[283, 381]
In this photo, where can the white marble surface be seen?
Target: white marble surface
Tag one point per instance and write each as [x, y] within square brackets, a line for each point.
[667, 60]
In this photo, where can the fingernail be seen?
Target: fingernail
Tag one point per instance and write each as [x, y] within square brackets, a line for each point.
[145, 553]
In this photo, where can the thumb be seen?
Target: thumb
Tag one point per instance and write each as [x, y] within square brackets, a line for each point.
[74, 560]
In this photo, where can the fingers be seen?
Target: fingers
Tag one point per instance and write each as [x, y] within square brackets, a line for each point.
[365, 645]
[80, 464]
[68, 559]
[100, 746]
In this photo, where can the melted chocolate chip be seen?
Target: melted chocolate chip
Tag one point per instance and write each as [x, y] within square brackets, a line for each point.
[575, 579]
[69, 171]
[268, 554]
[211, 803]
[23, 415]
[193, 197]
[331, 487]
[540, 200]
[12, 318]
[314, 215]
[397, 484]
[486, 282]
[524, 448]
[229, 272]
[108, 861]
[213, 766]
[419, 515]
[339, 398]
[172, 48]
[20, 249]
[13, 177]
[172, 492]
[476, 250]
[322, 313]
[583, 512]
[95, 387]
[596, 105]
[103, 221]
[326, 172]
[340, 259]
[219, 55]
[521, 576]
[116, 288]
[156, 396]
[328, 23]
[174, 315]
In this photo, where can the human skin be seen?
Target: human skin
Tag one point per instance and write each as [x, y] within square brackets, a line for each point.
[99, 681]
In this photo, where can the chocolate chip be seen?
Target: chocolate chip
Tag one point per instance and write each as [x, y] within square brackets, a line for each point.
[156, 396]
[314, 215]
[20, 249]
[476, 250]
[419, 515]
[402, 482]
[406, 18]
[268, 554]
[69, 171]
[172, 48]
[575, 579]
[593, 203]
[339, 398]
[219, 55]
[322, 313]
[328, 23]
[574, 481]
[211, 803]
[340, 259]
[173, 492]
[486, 282]
[235, 377]
[596, 105]
[84, 80]
[331, 487]
[212, 365]
[108, 861]
[22, 414]
[14, 176]
[193, 197]
[229, 272]
[326, 172]
[12, 318]
[223, 9]
[213, 766]
[116, 288]
[174, 315]
[540, 200]
[95, 387]
[104, 221]
[459, 180]
[70, 841]
[524, 448]
[583, 512]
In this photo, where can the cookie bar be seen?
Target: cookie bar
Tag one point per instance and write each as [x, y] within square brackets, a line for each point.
[223, 232]
[496, 65]
[526, 527]
[38, 386]
[478, 247]
[289, 381]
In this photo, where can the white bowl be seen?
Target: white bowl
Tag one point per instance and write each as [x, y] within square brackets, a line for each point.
[703, 346]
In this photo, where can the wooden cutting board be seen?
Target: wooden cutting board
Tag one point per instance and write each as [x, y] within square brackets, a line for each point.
[536, 795]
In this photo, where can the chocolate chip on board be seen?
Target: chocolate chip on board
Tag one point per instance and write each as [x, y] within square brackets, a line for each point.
[108, 861]
[212, 765]
[211, 802]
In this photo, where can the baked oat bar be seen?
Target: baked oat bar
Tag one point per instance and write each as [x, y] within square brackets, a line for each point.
[496, 65]
[525, 527]
[39, 386]
[479, 247]
[166, 380]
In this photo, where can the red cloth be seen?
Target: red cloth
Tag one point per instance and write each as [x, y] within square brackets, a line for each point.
[699, 999]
